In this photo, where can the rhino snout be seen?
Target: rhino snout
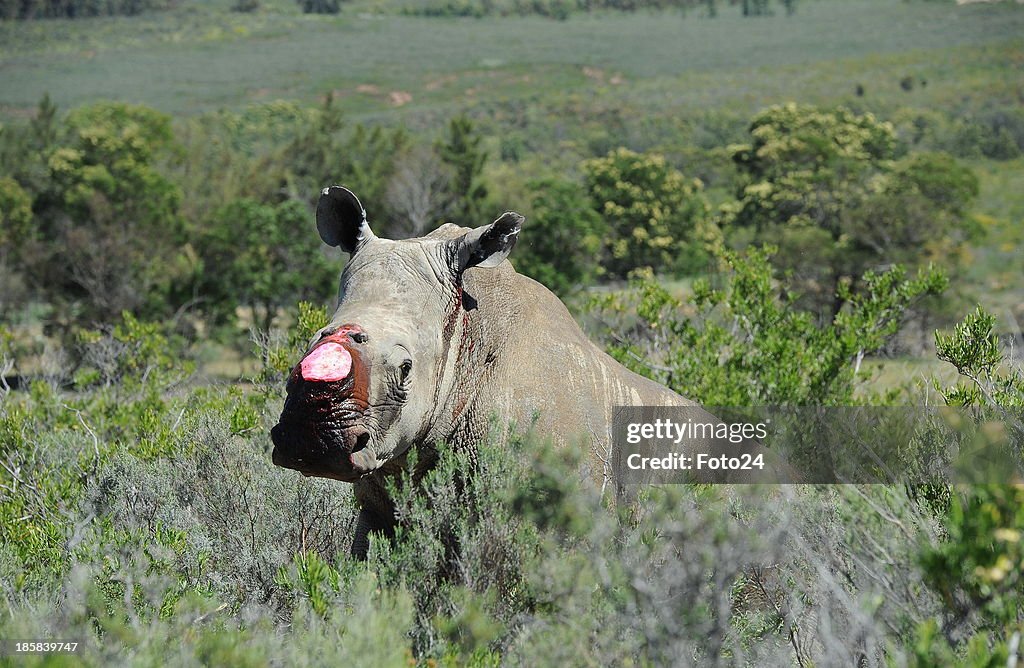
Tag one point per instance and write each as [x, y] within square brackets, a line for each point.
[342, 454]
[322, 429]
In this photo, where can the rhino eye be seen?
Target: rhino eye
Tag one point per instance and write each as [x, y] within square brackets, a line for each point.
[405, 368]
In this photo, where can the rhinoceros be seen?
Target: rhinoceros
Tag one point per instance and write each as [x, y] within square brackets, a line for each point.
[433, 338]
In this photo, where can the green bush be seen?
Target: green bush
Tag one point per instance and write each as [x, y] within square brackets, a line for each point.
[977, 566]
[264, 258]
[828, 188]
[279, 353]
[564, 236]
[107, 236]
[651, 211]
[326, 150]
[461, 152]
[747, 343]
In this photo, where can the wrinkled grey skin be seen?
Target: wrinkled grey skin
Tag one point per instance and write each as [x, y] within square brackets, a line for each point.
[449, 335]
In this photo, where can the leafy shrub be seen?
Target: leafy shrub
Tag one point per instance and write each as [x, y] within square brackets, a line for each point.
[996, 133]
[107, 236]
[651, 211]
[131, 356]
[976, 568]
[827, 188]
[280, 352]
[461, 151]
[747, 343]
[974, 349]
[241, 519]
[325, 150]
[564, 236]
[264, 258]
[15, 230]
[15, 214]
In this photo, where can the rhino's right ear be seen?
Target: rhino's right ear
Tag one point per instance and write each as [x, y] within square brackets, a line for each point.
[341, 219]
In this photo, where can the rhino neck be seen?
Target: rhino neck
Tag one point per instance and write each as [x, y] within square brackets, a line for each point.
[476, 335]
[522, 357]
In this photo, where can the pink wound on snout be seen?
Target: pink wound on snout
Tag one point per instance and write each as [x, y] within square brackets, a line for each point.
[328, 362]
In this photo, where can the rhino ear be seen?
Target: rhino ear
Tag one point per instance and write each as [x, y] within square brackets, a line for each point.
[487, 246]
[341, 219]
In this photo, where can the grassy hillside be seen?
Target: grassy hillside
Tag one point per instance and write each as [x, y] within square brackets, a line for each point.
[201, 57]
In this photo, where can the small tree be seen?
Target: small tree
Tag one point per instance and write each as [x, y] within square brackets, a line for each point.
[564, 237]
[462, 153]
[262, 257]
[15, 231]
[826, 187]
[653, 213]
[326, 151]
[107, 235]
[15, 216]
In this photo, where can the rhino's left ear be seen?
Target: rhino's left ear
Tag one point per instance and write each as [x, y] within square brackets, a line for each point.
[487, 246]
[341, 219]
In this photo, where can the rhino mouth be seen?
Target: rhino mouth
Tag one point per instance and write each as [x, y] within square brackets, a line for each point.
[323, 450]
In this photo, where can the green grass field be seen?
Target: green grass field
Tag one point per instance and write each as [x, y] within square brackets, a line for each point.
[199, 58]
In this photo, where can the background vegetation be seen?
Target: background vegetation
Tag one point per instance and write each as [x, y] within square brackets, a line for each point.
[751, 202]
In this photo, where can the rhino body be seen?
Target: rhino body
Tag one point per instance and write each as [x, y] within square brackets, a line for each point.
[434, 337]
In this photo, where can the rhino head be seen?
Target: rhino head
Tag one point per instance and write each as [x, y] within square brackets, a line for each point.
[375, 380]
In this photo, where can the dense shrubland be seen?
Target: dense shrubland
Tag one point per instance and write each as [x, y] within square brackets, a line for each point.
[141, 515]
[113, 207]
[829, 188]
[71, 9]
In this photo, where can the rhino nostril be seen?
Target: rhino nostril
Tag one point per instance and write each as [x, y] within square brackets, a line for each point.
[361, 442]
[359, 337]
